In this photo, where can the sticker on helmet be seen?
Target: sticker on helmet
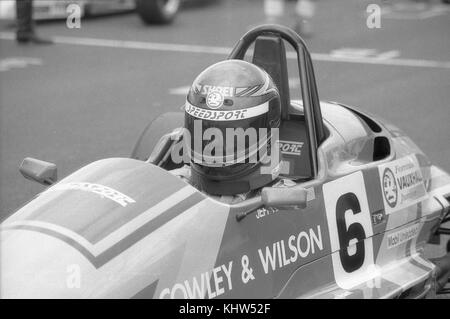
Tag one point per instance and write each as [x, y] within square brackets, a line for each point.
[226, 115]
[214, 100]
[229, 92]
[226, 91]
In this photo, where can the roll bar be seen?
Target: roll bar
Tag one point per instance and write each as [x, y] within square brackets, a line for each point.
[311, 102]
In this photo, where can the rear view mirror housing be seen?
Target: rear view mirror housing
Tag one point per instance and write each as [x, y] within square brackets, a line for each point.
[273, 197]
[284, 196]
[39, 171]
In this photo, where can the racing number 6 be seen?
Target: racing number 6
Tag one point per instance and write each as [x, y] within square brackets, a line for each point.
[350, 228]
[355, 231]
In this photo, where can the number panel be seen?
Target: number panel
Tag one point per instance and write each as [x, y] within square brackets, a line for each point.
[350, 226]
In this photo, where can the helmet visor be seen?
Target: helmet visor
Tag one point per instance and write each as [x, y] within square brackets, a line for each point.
[225, 142]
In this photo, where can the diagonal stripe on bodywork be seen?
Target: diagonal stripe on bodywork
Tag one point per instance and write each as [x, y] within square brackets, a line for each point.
[147, 228]
[97, 257]
[148, 292]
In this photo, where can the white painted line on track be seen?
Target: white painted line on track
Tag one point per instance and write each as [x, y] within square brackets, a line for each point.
[411, 11]
[18, 63]
[189, 48]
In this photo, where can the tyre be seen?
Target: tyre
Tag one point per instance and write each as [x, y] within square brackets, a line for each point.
[157, 11]
[161, 125]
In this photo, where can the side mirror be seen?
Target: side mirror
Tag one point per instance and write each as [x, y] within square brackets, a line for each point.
[39, 171]
[160, 152]
[284, 196]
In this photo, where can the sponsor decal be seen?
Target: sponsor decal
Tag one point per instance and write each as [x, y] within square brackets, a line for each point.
[219, 281]
[262, 212]
[402, 184]
[209, 284]
[282, 253]
[291, 148]
[402, 236]
[378, 217]
[226, 115]
[214, 100]
[224, 91]
[227, 91]
[390, 189]
[103, 191]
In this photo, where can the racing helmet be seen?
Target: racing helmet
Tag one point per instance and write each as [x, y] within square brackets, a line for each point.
[230, 113]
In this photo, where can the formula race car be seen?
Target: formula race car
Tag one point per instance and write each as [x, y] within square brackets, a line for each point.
[151, 11]
[362, 203]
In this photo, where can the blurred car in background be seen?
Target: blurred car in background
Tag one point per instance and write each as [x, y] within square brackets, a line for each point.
[151, 11]
[157, 11]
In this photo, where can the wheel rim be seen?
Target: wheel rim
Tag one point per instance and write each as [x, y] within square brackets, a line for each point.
[170, 6]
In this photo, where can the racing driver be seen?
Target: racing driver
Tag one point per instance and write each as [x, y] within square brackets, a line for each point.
[232, 115]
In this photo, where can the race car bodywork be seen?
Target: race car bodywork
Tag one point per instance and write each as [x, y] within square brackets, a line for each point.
[129, 228]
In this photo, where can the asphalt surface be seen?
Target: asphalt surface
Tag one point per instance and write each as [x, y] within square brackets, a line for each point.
[82, 100]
